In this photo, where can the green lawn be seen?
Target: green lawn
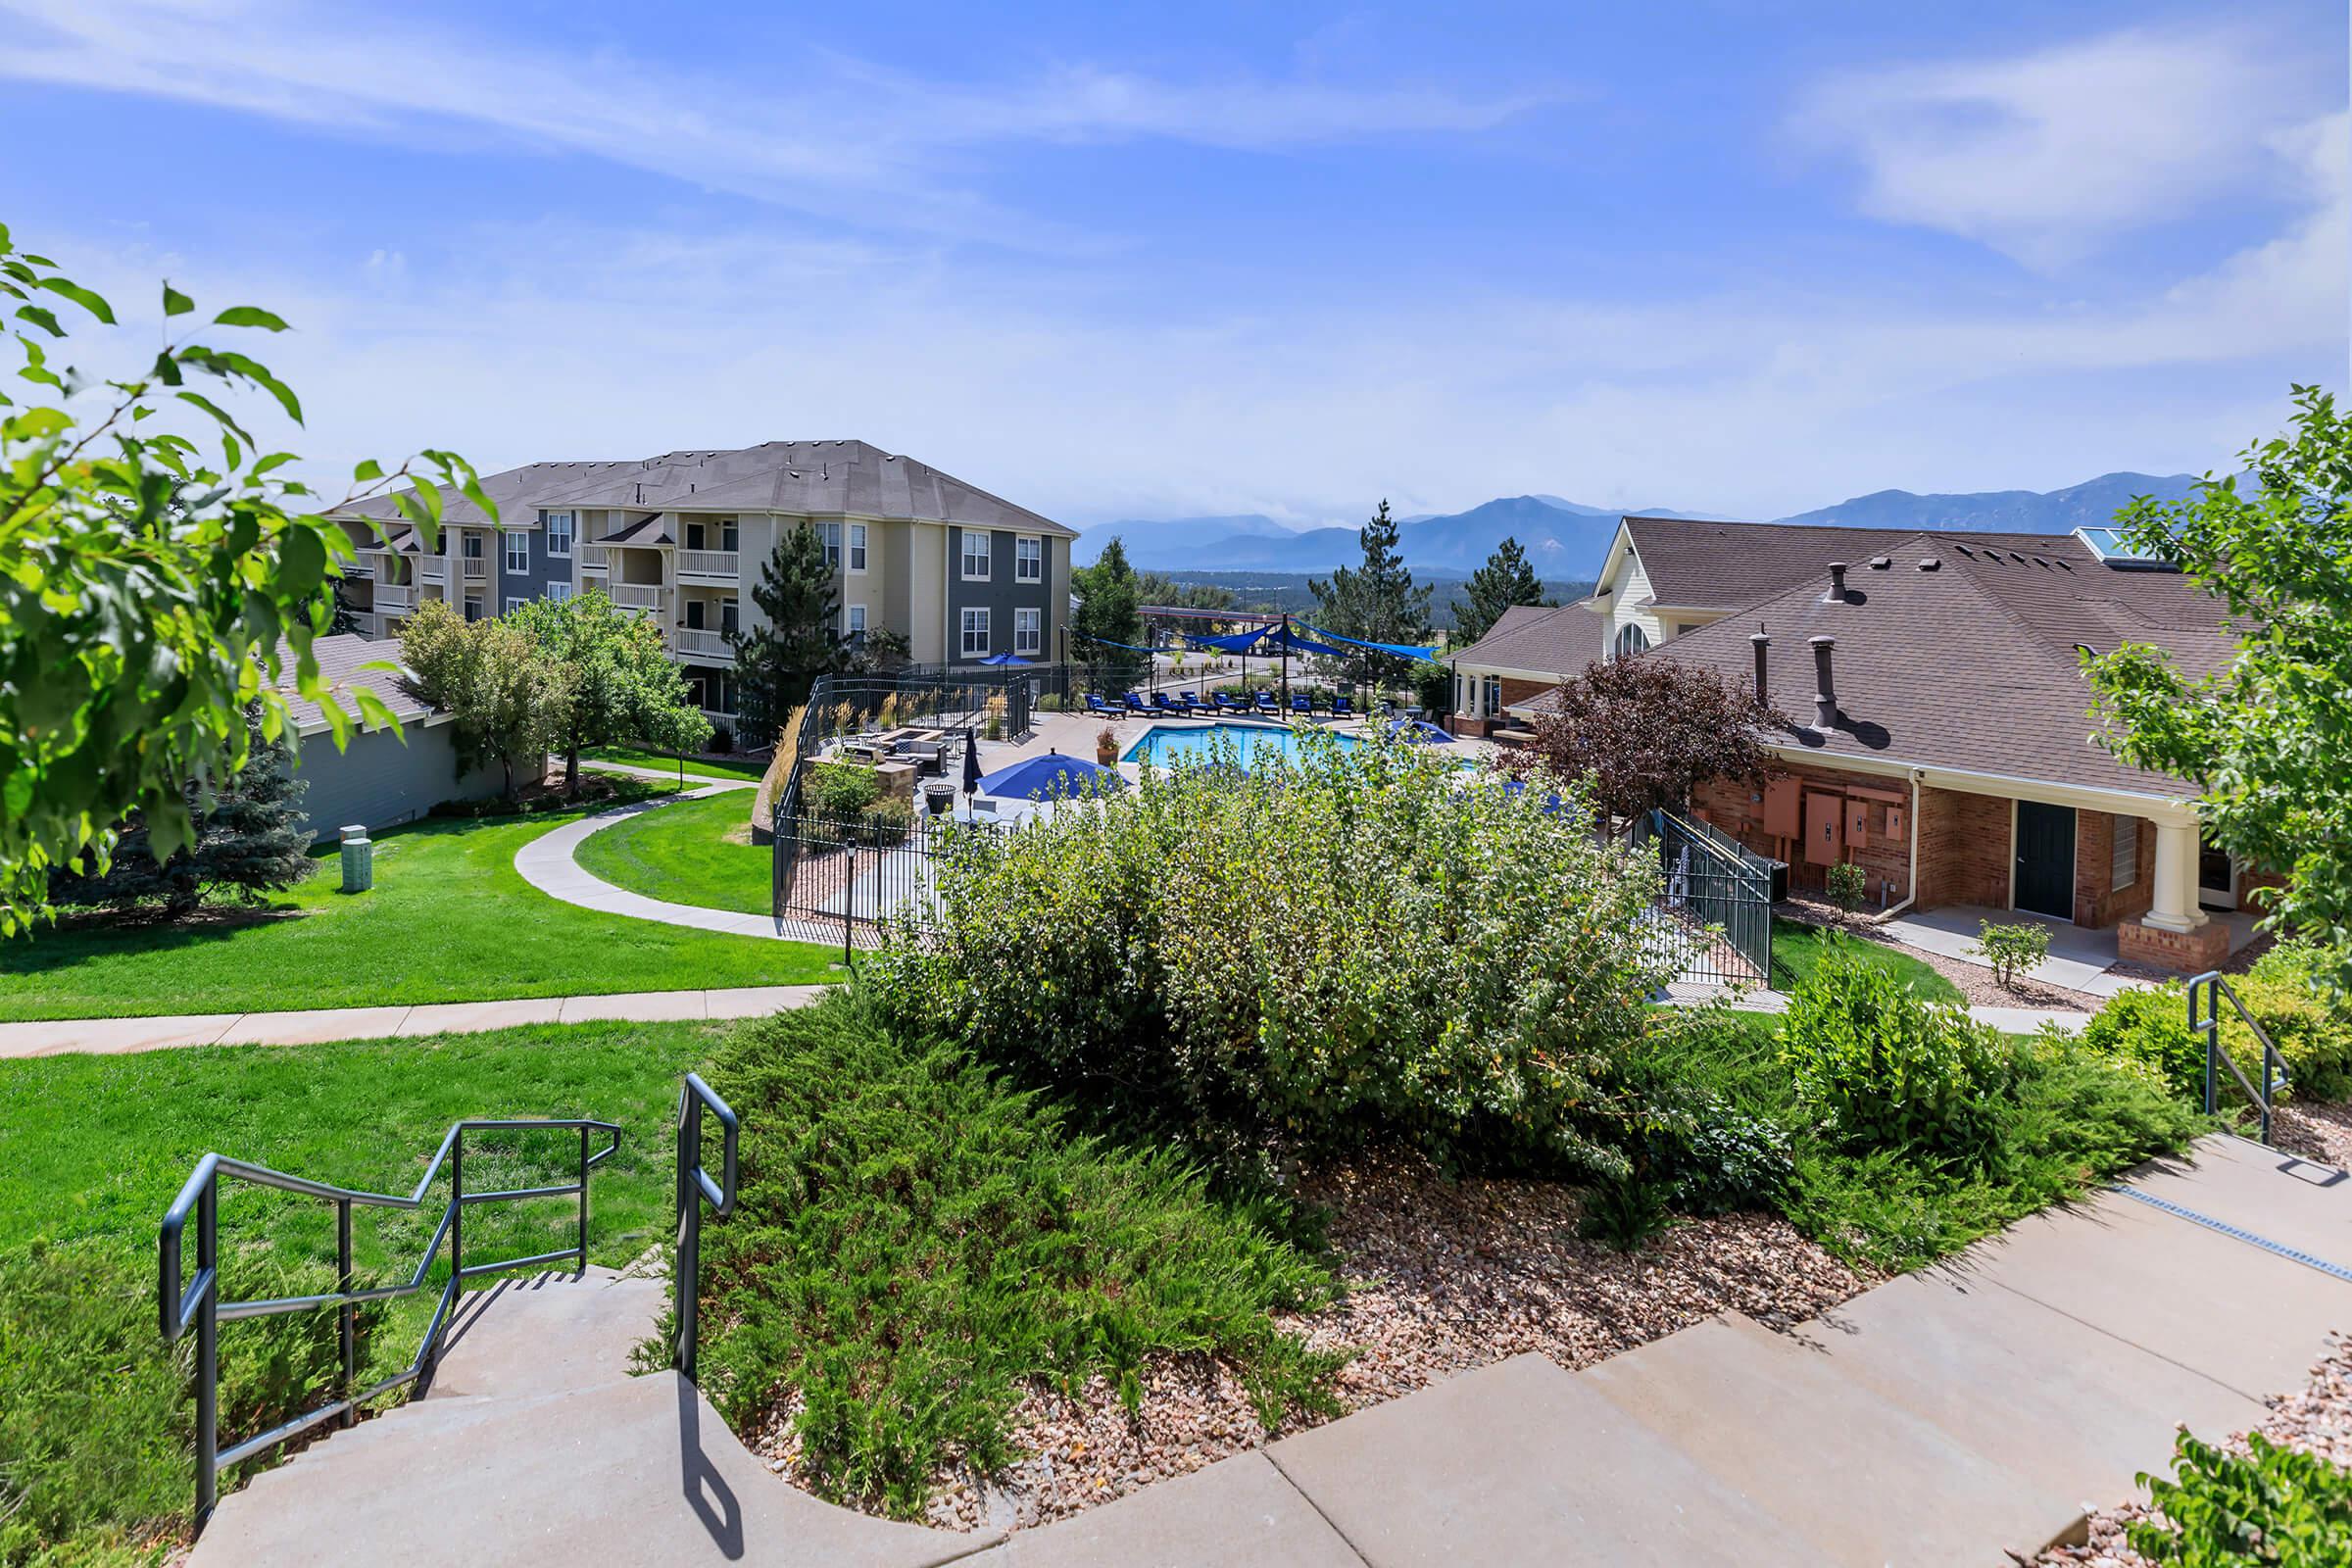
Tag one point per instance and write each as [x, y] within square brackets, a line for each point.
[1797, 949]
[694, 764]
[696, 852]
[98, 1145]
[449, 920]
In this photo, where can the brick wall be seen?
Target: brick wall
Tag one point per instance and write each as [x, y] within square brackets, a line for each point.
[1964, 849]
[2099, 902]
[2182, 951]
[1519, 691]
[1883, 855]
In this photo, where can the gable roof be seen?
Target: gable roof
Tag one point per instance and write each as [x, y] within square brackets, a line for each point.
[1969, 664]
[854, 479]
[1702, 564]
[1554, 639]
[340, 656]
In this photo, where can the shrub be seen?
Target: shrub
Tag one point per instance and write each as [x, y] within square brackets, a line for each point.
[2009, 948]
[1624, 1212]
[917, 1244]
[841, 790]
[2270, 1505]
[1880, 1067]
[1347, 943]
[1846, 885]
[2147, 1029]
[888, 822]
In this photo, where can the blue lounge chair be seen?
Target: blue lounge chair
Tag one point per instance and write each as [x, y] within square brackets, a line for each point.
[1265, 703]
[1096, 706]
[1162, 704]
[1190, 701]
[1342, 707]
[1302, 704]
[1134, 704]
[1225, 702]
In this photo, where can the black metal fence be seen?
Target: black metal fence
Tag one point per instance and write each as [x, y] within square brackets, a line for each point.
[843, 879]
[1714, 909]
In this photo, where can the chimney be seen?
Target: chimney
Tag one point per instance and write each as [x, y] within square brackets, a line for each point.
[1825, 685]
[1836, 583]
[1762, 644]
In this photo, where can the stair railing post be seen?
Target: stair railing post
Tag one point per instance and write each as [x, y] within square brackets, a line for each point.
[583, 1201]
[208, 1351]
[687, 1287]
[2212, 1035]
[346, 1315]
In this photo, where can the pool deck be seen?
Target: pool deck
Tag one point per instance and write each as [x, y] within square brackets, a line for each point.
[1073, 735]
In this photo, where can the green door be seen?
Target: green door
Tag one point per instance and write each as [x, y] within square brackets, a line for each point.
[2045, 859]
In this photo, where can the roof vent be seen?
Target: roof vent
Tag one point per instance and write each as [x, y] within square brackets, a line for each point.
[1824, 686]
[1929, 563]
[1836, 583]
[1880, 563]
[1964, 549]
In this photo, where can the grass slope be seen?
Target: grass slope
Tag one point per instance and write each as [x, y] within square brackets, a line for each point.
[1797, 949]
[93, 1419]
[696, 852]
[450, 920]
[707, 766]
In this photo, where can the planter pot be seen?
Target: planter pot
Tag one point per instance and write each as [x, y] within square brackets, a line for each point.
[939, 799]
[1107, 754]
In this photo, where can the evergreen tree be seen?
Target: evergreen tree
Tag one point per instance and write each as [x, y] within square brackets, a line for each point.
[1506, 579]
[1377, 602]
[619, 685]
[250, 840]
[1108, 591]
[776, 664]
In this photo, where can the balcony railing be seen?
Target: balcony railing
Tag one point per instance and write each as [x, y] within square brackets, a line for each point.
[397, 597]
[701, 642]
[708, 564]
[636, 596]
[593, 557]
[477, 568]
[432, 569]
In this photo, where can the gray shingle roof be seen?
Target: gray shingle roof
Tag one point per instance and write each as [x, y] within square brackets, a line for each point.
[1722, 566]
[800, 478]
[1554, 639]
[340, 658]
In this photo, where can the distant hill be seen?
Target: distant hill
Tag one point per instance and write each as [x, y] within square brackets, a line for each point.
[1565, 539]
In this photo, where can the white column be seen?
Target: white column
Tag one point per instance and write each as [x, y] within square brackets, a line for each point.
[2176, 889]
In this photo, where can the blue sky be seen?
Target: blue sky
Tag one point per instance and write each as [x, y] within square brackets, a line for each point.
[1736, 258]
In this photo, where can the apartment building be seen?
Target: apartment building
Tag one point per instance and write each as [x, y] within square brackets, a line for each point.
[963, 575]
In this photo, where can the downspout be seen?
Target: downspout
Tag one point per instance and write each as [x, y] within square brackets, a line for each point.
[1911, 895]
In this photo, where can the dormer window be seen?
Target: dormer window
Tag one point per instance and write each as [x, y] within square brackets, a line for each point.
[1632, 640]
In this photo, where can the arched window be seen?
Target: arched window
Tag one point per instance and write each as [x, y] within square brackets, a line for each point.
[1632, 640]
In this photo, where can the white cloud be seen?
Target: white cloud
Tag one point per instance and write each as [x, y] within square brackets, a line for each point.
[848, 139]
[2047, 155]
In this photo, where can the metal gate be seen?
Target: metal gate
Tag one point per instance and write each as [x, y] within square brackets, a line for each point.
[1714, 908]
[844, 879]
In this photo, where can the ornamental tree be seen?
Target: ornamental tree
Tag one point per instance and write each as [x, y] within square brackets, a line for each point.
[504, 698]
[618, 684]
[1649, 729]
[2267, 739]
[153, 589]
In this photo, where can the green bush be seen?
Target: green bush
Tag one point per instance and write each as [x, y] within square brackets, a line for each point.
[2011, 949]
[1351, 944]
[888, 820]
[1625, 1212]
[841, 790]
[2270, 1505]
[1846, 884]
[2147, 1029]
[916, 1243]
[1880, 1067]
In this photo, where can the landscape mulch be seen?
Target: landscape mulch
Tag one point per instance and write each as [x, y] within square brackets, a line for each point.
[1974, 981]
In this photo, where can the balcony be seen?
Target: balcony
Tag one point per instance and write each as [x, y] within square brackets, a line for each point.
[397, 598]
[723, 565]
[700, 643]
[594, 558]
[634, 596]
[432, 569]
[477, 568]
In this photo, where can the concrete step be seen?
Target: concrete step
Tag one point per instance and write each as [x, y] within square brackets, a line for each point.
[532, 1334]
[2077, 1410]
[1237, 1513]
[640, 1471]
[1865, 1481]
[2244, 1317]
[2288, 1200]
[1523, 1462]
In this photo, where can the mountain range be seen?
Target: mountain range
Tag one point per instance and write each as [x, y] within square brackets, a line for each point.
[1565, 539]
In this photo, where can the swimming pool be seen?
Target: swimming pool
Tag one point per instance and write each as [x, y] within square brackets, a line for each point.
[1163, 743]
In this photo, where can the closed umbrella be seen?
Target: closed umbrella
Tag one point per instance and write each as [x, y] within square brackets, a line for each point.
[971, 762]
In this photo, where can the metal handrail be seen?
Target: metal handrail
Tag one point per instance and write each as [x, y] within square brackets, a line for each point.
[198, 1304]
[2274, 1065]
[695, 1188]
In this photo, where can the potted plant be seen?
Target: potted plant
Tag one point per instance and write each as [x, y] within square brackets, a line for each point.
[1106, 747]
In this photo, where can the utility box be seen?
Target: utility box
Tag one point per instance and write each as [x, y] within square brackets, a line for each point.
[359, 859]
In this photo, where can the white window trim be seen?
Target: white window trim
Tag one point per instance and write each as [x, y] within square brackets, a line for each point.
[560, 591]
[988, 554]
[856, 548]
[862, 619]
[517, 542]
[513, 605]
[571, 524]
[1028, 631]
[1020, 561]
[964, 645]
[1626, 633]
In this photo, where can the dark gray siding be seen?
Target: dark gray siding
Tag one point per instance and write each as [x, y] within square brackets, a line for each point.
[1001, 596]
[378, 781]
[532, 584]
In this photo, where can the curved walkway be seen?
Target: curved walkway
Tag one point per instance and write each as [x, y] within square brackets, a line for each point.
[546, 863]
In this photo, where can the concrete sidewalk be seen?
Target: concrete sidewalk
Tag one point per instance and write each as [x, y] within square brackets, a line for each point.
[310, 1026]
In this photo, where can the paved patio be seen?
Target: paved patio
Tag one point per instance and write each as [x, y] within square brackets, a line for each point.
[2080, 960]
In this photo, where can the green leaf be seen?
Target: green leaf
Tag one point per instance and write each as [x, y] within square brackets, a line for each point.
[41, 317]
[368, 470]
[80, 296]
[216, 412]
[301, 561]
[175, 302]
[250, 316]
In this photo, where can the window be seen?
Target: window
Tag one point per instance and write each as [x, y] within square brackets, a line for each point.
[853, 621]
[730, 538]
[559, 533]
[694, 614]
[730, 612]
[857, 547]
[1028, 631]
[518, 551]
[513, 605]
[831, 532]
[559, 591]
[1494, 705]
[473, 610]
[2126, 866]
[1632, 640]
[1029, 560]
[975, 555]
[473, 547]
[975, 632]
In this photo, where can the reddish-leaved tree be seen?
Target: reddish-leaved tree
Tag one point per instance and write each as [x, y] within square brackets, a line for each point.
[1648, 729]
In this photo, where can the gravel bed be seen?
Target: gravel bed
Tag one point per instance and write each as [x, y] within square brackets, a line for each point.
[2316, 1419]
[1975, 980]
[1440, 1276]
[2316, 1131]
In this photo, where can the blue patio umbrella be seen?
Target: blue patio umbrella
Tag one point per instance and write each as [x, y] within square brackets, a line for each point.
[1040, 778]
[1009, 659]
[1419, 732]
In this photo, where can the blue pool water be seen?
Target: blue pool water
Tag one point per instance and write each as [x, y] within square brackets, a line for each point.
[1163, 742]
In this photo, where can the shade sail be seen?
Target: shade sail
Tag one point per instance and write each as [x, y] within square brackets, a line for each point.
[1400, 649]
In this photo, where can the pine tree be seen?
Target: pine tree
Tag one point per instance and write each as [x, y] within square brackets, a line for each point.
[251, 840]
[1105, 627]
[1377, 602]
[1506, 579]
[776, 664]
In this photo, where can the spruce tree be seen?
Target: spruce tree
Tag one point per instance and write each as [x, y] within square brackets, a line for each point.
[776, 664]
[1376, 602]
[1506, 579]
